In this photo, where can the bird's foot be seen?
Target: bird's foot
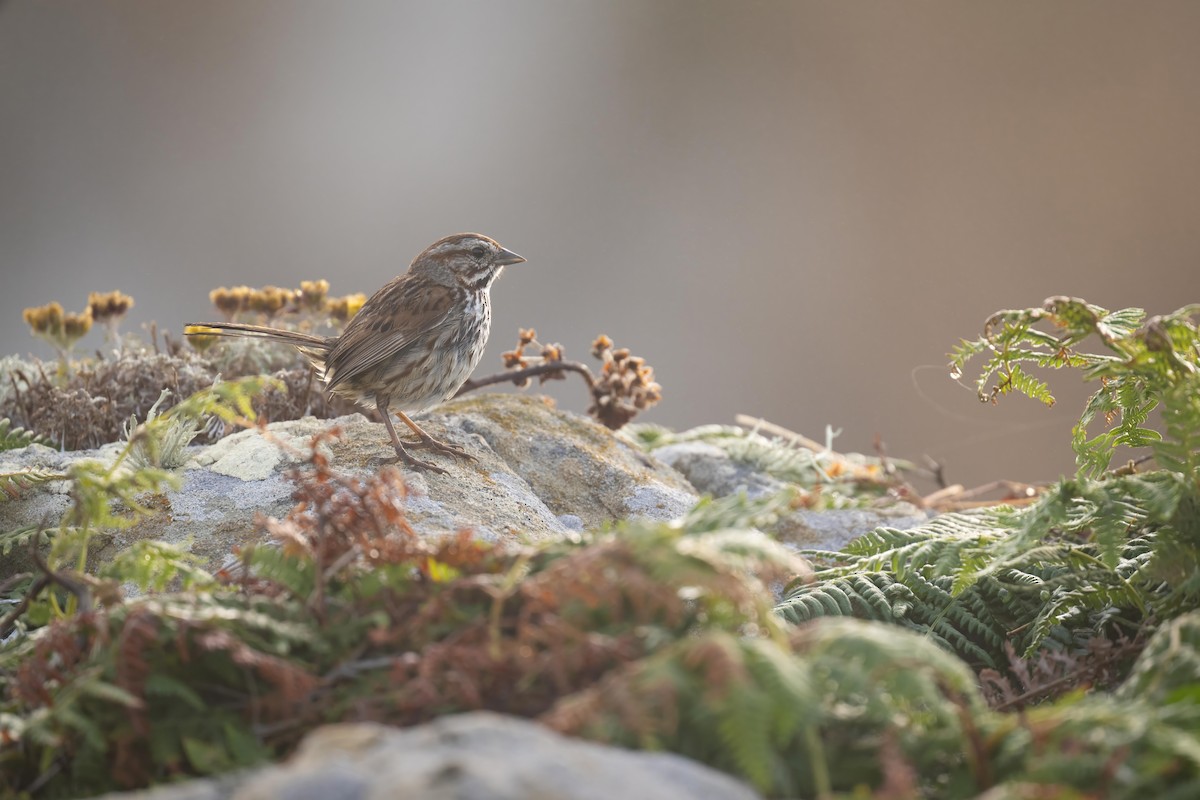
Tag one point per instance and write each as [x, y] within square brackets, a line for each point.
[414, 462]
[445, 448]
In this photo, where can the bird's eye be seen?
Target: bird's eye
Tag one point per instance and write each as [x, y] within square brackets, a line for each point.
[478, 251]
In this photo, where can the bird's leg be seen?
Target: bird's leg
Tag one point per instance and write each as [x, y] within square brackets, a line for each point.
[432, 443]
[382, 404]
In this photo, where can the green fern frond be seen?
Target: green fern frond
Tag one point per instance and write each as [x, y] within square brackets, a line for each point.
[736, 510]
[744, 728]
[1179, 451]
[1087, 554]
[1146, 363]
[15, 438]
[864, 595]
[15, 484]
[1116, 325]
[963, 352]
[839, 474]
[295, 574]
[229, 401]
[653, 436]
[100, 489]
[1018, 380]
[941, 546]
[20, 537]
[153, 565]
[1070, 609]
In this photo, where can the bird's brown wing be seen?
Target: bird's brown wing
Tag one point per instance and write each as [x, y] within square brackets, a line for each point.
[395, 317]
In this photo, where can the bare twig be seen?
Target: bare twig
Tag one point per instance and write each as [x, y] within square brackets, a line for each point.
[13, 580]
[517, 375]
[758, 423]
[10, 619]
[1091, 667]
[624, 388]
[75, 587]
[957, 497]
[890, 464]
[937, 470]
[48, 577]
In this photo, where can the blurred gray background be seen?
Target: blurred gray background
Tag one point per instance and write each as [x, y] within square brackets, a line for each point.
[792, 210]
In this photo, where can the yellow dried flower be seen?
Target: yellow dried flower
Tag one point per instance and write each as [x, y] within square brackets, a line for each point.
[76, 326]
[313, 294]
[45, 321]
[601, 344]
[337, 309]
[109, 306]
[60, 329]
[230, 301]
[343, 309]
[269, 300]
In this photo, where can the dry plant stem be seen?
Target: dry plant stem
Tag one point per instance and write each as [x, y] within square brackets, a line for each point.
[761, 424]
[513, 376]
[10, 619]
[13, 580]
[956, 497]
[978, 752]
[21, 399]
[48, 577]
[891, 465]
[51, 772]
[81, 591]
[1044, 690]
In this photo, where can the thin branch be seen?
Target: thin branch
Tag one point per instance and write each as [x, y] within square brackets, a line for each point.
[1085, 671]
[10, 619]
[515, 376]
[77, 588]
[13, 580]
[956, 497]
[762, 425]
[758, 423]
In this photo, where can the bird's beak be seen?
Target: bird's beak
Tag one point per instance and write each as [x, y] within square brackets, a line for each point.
[506, 257]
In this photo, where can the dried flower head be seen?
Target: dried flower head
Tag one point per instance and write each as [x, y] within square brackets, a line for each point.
[62, 330]
[514, 359]
[269, 300]
[343, 309]
[76, 326]
[313, 294]
[230, 301]
[45, 321]
[625, 387]
[109, 306]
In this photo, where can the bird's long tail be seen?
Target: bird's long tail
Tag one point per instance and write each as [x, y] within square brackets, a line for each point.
[315, 348]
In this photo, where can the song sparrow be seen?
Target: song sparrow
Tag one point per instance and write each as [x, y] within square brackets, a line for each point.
[413, 344]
